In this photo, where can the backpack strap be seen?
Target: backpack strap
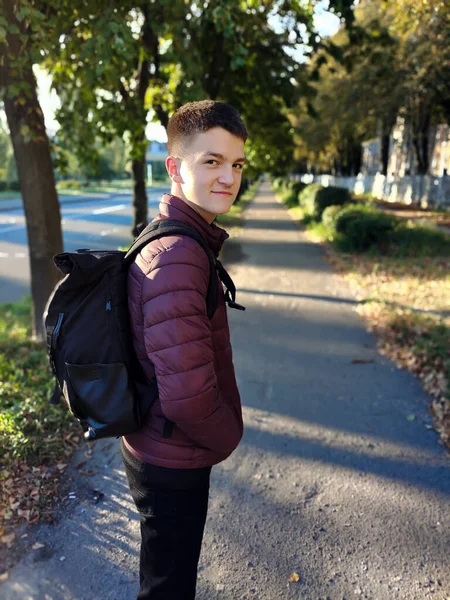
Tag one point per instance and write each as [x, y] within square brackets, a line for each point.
[230, 293]
[165, 227]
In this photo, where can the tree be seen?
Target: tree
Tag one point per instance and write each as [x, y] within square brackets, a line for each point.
[393, 62]
[119, 60]
[423, 30]
[31, 148]
[103, 68]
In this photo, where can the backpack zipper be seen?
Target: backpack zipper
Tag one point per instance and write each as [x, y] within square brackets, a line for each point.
[57, 328]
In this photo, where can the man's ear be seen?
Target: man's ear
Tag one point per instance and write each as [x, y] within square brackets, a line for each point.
[173, 169]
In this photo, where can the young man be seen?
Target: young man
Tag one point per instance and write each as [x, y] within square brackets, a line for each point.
[196, 421]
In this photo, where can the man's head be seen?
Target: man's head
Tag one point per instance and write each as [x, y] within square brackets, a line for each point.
[206, 155]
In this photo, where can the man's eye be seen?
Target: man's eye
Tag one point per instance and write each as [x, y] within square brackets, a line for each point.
[239, 166]
[209, 162]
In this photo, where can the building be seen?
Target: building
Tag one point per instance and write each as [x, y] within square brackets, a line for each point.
[155, 159]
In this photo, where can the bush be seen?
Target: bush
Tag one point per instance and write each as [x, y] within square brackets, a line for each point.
[9, 186]
[69, 184]
[362, 227]
[420, 240]
[277, 183]
[288, 190]
[329, 216]
[315, 199]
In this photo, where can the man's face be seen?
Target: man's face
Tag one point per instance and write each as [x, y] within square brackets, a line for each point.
[211, 172]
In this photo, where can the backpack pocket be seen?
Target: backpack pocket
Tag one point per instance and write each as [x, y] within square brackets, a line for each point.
[102, 397]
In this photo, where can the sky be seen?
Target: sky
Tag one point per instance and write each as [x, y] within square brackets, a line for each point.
[326, 24]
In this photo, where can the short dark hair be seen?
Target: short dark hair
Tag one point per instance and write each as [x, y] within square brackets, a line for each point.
[198, 117]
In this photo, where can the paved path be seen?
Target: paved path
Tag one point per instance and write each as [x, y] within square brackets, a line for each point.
[332, 480]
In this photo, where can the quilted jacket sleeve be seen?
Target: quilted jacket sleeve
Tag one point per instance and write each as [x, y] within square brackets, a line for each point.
[178, 341]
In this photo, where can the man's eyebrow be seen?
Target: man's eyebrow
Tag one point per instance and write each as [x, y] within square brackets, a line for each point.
[222, 157]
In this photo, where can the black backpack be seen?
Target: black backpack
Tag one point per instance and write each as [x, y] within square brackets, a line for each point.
[89, 339]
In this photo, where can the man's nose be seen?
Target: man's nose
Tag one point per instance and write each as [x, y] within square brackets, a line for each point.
[227, 175]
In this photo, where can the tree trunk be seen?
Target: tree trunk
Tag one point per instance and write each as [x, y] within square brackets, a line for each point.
[420, 130]
[36, 177]
[385, 146]
[387, 124]
[140, 202]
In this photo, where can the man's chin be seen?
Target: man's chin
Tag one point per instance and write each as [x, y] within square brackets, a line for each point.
[222, 208]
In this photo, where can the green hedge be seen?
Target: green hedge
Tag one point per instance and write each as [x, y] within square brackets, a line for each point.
[419, 240]
[9, 186]
[329, 216]
[69, 184]
[288, 190]
[362, 227]
[314, 199]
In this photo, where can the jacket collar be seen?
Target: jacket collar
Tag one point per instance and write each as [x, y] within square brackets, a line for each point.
[175, 208]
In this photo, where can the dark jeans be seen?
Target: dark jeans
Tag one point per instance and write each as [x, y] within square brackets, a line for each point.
[173, 504]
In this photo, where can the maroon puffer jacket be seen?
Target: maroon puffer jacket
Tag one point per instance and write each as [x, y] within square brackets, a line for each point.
[189, 353]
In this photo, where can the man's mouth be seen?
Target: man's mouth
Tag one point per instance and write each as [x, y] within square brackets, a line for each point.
[223, 193]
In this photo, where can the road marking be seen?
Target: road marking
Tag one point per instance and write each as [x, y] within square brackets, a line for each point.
[15, 255]
[100, 211]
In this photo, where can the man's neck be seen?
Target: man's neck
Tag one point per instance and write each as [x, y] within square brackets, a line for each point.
[206, 215]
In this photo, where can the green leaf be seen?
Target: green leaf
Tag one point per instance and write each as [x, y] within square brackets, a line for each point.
[22, 13]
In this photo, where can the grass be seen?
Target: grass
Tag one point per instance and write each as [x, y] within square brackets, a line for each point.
[9, 195]
[405, 301]
[36, 438]
[30, 428]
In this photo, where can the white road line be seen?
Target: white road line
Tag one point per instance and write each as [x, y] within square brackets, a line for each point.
[100, 211]
[4, 254]
[67, 217]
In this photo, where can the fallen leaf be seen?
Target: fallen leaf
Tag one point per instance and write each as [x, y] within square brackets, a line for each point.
[4, 577]
[61, 466]
[24, 513]
[37, 546]
[411, 418]
[7, 539]
[294, 578]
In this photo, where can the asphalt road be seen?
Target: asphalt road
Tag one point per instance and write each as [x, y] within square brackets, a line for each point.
[101, 222]
[339, 489]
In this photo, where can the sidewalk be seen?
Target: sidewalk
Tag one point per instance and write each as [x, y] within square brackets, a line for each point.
[333, 482]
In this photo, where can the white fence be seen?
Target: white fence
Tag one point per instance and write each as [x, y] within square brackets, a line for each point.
[416, 189]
